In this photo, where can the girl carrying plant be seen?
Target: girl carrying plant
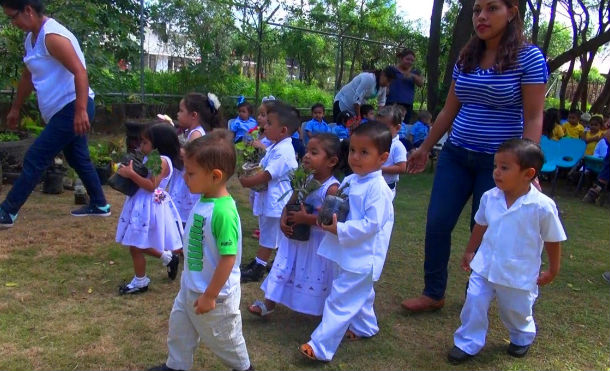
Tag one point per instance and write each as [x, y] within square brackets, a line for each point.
[198, 113]
[149, 223]
[301, 279]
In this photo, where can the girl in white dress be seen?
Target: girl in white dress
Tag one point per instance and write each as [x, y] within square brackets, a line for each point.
[149, 223]
[198, 113]
[301, 279]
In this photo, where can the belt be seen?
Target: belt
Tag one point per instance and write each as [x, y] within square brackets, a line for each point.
[392, 185]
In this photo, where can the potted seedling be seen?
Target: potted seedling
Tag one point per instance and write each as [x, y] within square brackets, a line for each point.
[54, 177]
[302, 183]
[337, 204]
[248, 160]
[126, 185]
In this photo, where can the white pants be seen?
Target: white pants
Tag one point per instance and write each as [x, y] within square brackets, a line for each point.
[269, 228]
[515, 307]
[219, 330]
[349, 305]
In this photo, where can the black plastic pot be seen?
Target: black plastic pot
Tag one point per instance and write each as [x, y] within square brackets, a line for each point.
[103, 172]
[54, 180]
[300, 232]
[124, 185]
[333, 205]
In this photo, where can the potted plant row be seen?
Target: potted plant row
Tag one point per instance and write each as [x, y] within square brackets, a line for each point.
[303, 184]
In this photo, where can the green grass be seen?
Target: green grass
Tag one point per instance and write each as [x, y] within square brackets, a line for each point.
[59, 308]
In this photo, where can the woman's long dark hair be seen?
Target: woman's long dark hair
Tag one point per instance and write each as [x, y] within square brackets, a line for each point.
[510, 44]
[549, 120]
[389, 72]
[163, 137]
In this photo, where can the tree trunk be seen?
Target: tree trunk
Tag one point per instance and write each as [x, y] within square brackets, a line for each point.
[433, 55]
[536, 19]
[353, 65]
[549, 30]
[564, 85]
[522, 9]
[580, 95]
[589, 45]
[602, 101]
[461, 33]
[339, 77]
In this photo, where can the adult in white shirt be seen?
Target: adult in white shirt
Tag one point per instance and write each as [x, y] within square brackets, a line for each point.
[363, 87]
[55, 68]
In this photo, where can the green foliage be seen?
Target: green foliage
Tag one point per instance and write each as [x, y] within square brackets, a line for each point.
[302, 183]
[247, 153]
[9, 136]
[31, 126]
[153, 163]
[105, 152]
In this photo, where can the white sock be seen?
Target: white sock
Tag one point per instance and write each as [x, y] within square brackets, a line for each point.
[166, 257]
[139, 281]
[260, 261]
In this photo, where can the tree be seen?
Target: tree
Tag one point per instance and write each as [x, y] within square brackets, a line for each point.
[432, 57]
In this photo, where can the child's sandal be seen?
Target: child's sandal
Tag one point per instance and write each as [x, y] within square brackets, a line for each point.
[351, 336]
[307, 351]
[264, 311]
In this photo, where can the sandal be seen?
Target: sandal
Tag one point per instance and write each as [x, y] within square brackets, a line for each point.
[307, 351]
[592, 195]
[261, 305]
[351, 336]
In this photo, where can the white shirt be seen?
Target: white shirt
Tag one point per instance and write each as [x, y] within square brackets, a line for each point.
[398, 154]
[279, 160]
[510, 253]
[361, 88]
[601, 149]
[361, 242]
[53, 82]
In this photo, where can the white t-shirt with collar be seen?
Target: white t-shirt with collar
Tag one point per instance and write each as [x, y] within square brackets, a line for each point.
[398, 154]
[361, 242]
[279, 160]
[510, 253]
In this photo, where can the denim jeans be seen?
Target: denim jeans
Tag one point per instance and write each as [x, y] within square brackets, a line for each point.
[460, 173]
[57, 135]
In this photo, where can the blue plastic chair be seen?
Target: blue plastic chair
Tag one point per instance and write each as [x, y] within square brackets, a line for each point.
[571, 151]
[551, 151]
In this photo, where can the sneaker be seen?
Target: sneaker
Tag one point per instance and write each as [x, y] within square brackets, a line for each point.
[134, 287]
[245, 266]
[6, 220]
[457, 356]
[88, 210]
[517, 350]
[172, 267]
[253, 274]
[162, 367]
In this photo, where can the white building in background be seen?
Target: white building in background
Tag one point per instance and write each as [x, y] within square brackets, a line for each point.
[161, 54]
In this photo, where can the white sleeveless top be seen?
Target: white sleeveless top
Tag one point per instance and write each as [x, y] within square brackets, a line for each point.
[54, 84]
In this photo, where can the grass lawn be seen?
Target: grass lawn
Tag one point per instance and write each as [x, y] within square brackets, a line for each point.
[59, 308]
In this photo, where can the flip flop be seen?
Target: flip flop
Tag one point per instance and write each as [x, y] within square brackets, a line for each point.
[261, 305]
[307, 351]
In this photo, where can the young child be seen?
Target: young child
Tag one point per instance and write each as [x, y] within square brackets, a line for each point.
[340, 130]
[593, 135]
[149, 223]
[550, 125]
[514, 223]
[300, 279]
[357, 246]
[316, 124]
[197, 114]
[573, 128]
[368, 113]
[279, 160]
[206, 308]
[396, 163]
[420, 129]
[244, 122]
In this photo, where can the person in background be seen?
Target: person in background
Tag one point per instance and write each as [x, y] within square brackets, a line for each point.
[573, 127]
[340, 128]
[316, 124]
[421, 128]
[402, 88]
[584, 120]
[593, 135]
[368, 113]
[550, 125]
[244, 122]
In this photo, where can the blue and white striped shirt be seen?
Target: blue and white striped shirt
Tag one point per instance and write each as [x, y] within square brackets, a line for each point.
[492, 103]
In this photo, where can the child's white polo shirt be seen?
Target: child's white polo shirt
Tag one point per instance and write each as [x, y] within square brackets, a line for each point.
[279, 160]
[510, 253]
[398, 154]
[361, 243]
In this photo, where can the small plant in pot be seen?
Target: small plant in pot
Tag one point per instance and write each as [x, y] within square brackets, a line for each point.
[249, 158]
[127, 186]
[54, 177]
[303, 183]
[337, 204]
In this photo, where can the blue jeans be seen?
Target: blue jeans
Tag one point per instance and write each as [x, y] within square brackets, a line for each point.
[57, 135]
[460, 173]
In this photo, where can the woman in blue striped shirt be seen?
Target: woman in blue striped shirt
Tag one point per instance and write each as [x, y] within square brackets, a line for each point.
[497, 93]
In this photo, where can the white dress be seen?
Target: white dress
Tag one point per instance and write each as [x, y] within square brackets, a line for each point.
[301, 279]
[150, 219]
[179, 191]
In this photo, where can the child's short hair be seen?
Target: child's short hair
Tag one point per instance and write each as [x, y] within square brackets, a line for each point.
[365, 109]
[597, 118]
[424, 116]
[164, 139]
[214, 151]
[330, 144]
[574, 112]
[318, 105]
[209, 114]
[395, 112]
[529, 154]
[378, 132]
[287, 115]
[344, 117]
[248, 107]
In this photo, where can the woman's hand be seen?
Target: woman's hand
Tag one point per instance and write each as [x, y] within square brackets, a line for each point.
[416, 163]
[81, 122]
[12, 119]
[297, 217]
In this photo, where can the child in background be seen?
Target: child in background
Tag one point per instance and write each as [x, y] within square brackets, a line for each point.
[278, 162]
[368, 113]
[340, 129]
[357, 247]
[550, 125]
[297, 143]
[316, 124]
[514, 223]
[391, 116]
[206, 308]
[585, 117]
[197, 114]
[573, 128]
[593, 135]
[149, 223]
[244, 122]
[300, 279]
[420, 129]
